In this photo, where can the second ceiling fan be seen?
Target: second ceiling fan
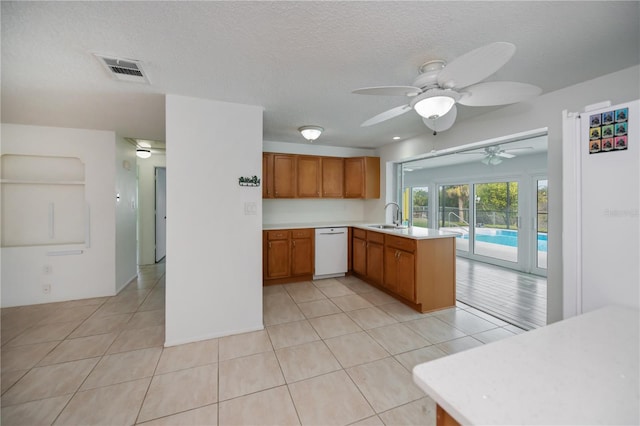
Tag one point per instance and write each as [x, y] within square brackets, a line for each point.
[440, 86]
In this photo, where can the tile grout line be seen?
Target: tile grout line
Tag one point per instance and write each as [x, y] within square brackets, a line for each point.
[286, 384]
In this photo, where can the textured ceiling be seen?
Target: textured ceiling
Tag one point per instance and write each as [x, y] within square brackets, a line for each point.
[299, 60]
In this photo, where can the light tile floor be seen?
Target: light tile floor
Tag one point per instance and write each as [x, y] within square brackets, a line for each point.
[334, 352]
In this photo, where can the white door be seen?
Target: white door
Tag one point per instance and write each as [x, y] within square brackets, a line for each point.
[161, 213]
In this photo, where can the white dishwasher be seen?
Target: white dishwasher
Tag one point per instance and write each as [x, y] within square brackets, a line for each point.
[331, 252]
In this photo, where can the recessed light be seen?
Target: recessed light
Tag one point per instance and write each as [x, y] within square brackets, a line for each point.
[396, 138]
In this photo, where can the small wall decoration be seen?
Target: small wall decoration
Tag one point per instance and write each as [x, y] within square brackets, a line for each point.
[249, 181]
[608, 131]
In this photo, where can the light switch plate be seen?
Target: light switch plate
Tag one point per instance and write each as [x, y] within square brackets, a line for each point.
[250, 208]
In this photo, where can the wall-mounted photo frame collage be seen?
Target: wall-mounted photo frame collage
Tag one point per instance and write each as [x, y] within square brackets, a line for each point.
[608, 131]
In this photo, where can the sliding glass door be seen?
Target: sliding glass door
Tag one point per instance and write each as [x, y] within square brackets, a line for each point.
[496, 220]
[540, 225]
[453, 212]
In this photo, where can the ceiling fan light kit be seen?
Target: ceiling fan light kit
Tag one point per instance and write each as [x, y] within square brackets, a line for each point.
[434, 103]
[143, 153]
[311, 133]
[441, 85]
[491, 161]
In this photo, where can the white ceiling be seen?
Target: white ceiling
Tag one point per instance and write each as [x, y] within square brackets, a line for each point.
[299, 60]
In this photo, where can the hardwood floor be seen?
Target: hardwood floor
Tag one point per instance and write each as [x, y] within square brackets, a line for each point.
[514, 297]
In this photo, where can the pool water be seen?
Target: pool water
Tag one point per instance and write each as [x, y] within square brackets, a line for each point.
[504, 237]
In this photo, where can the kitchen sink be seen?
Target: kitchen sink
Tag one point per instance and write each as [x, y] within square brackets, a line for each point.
[387, 226]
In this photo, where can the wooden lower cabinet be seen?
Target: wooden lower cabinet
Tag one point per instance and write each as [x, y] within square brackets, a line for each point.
[406, 275]
[375, 254]
[390, 269]
[288, 256]
[279, 263]
[420, 273]
[302, 254]
[359, 256]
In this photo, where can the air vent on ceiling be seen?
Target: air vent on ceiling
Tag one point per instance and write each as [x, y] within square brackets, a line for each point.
[124, 69]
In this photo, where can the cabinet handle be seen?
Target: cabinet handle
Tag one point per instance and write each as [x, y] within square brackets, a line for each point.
[269, 244]
[294, 243]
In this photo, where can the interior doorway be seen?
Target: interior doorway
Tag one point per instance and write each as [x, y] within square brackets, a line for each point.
[161, 212]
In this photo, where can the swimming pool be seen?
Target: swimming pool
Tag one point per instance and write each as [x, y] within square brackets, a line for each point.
[504, 237]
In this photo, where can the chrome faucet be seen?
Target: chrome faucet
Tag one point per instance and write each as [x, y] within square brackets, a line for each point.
[397, 220]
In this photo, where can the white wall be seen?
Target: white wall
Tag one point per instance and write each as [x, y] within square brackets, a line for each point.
[146, 207]
[544, 111]
[308, 210]
[92, 273]
[214, 250]
[126, 212]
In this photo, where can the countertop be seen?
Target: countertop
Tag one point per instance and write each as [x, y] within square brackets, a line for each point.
[583, 370]
[415, 233]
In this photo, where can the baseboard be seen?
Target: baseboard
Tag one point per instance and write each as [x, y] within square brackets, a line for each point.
[118, 290]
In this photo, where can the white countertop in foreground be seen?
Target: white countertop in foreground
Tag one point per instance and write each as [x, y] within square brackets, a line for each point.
[415, 233]
[583, 370]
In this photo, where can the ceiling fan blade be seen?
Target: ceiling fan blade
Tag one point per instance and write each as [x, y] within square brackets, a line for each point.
[443, 123]
[476, 65]
[386, 115]
[505, 155]
[498, 93]
[389, 91]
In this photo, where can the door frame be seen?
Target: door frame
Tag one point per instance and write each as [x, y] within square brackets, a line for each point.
[160, 194]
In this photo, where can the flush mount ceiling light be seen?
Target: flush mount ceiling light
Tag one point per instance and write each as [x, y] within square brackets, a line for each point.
[143, 153]
[434, 103]
[311, 133]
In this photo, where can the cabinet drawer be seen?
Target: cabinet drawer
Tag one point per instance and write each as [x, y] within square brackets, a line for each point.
[277, 235]
[375, 237]
[301, 233]
[406, 244]
[359, 233]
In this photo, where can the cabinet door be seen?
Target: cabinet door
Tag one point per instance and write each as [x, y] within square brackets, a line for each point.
[406, 275]
[284, 173]
[308, 175]
[354, 177]
[278, 259]
[332, 177]
[375, 254]
[301, 256]
[267, 175]
[360, 256]
[391, 269]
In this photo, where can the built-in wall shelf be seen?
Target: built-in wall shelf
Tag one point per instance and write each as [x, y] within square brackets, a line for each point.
[43, 201]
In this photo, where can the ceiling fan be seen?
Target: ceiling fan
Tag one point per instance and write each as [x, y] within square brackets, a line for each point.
[494, 154]
[440, 86]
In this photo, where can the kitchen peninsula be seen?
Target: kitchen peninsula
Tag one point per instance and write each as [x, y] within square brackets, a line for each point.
[414, 265]
[582, 370]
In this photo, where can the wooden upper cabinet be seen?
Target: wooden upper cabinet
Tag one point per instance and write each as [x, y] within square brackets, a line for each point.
[362, 177]
[267, 175]
[332, 177]
[284, 176]
[308, 176]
